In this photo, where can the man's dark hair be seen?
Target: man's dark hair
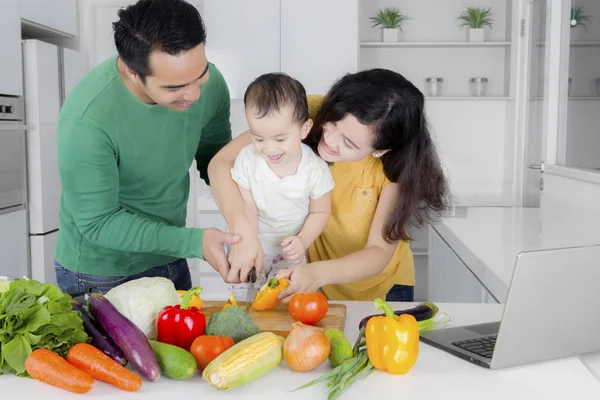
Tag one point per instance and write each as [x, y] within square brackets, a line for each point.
[273, 91]
[170, 26]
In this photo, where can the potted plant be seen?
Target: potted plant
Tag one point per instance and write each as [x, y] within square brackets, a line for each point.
[390, 19]
[476, 18]
[578, 18]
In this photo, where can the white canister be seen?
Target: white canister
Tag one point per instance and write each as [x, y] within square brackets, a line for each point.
[433, 86]
[478, 86]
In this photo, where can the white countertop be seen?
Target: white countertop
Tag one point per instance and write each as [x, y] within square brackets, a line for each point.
[488, 239]
[436, 375]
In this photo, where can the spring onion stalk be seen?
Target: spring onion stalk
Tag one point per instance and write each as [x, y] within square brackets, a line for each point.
[358, 367]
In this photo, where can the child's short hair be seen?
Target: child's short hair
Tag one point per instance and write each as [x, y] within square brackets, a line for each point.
[271, 92]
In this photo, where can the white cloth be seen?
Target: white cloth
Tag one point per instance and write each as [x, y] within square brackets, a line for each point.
[282, 203]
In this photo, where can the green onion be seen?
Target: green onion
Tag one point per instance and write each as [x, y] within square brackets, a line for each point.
[359, 367]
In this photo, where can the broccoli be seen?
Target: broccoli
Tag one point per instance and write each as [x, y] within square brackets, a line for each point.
[233, 322]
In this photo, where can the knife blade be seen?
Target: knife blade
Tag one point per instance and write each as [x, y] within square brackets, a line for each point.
[251, 289]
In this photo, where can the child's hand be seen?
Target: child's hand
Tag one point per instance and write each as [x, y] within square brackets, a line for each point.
[294, 249]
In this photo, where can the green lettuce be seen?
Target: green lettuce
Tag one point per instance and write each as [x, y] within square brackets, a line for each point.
[36, 315]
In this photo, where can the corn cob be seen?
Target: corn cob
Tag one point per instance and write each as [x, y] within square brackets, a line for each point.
[245, 361]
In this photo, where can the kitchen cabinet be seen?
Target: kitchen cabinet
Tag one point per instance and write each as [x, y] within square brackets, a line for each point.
[450, 279]
[314, 50]
[59, 16]
[11, 75]
[295, 37]
[13, 243]
[243, 40]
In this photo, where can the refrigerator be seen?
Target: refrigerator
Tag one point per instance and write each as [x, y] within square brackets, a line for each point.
[49, 74]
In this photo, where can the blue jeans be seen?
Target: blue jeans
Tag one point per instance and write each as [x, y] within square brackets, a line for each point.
[401, 293]
[78, 283]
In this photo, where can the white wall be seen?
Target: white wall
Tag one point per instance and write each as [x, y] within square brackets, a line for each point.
[583, 133]
[470, 136]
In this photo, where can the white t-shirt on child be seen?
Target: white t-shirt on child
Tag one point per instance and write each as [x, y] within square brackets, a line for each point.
[282, 203]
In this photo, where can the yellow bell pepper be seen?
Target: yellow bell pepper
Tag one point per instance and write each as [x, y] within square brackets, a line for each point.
[196, 301]
[266, 298]
[230, 302]
[392, 342]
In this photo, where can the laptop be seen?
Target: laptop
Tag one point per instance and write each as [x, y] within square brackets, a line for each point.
[551, 311]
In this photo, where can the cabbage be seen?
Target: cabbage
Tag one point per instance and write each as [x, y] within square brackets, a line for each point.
[142, 299]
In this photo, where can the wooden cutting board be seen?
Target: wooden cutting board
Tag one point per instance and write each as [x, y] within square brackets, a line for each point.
[279, 320]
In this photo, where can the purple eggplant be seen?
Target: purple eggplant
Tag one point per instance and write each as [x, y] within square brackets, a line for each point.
[100, 339]
[130, 339]
[421, 312]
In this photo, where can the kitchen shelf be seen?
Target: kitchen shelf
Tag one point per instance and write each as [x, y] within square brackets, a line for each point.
[468, 98]
[584, 98]
[434, 44]
[578, 44]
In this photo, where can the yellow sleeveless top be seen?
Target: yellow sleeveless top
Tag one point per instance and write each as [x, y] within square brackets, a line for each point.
[354, 200]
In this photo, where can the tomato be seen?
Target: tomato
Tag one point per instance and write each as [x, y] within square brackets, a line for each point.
[207, 348]
[308, 308]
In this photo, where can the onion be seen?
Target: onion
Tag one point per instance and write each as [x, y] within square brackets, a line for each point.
[305, 348]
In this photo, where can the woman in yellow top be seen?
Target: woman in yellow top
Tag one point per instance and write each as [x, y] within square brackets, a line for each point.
[372, 128]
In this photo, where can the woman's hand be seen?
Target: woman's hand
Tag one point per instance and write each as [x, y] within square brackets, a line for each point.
[303, 279]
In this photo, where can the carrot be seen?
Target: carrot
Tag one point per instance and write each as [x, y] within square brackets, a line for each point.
[100, 366]
[48, 367]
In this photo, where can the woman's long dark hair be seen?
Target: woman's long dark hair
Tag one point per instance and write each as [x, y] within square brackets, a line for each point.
[395, 110]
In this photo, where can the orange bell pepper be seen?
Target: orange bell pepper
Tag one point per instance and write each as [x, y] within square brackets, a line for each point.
[266, 298]
[392, 342]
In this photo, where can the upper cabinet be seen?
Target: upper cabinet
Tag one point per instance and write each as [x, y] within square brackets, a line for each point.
[242, 40]
[319, 41]
[291, 36]
[56, 16]
[11, 77]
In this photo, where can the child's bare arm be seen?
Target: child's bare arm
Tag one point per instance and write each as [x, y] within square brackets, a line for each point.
[317, 218]
[294, 247]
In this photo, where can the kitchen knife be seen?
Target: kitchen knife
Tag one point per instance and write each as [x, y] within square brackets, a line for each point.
[251, 289]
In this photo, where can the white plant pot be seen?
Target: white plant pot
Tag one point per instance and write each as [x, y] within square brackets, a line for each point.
[390, 35]
[475, 35]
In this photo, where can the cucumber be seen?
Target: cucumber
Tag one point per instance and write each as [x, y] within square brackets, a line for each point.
[175, 362]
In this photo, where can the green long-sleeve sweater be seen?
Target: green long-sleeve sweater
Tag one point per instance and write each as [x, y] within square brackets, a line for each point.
[124, 172]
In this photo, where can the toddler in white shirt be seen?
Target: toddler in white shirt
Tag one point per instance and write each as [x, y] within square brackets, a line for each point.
[284, 184]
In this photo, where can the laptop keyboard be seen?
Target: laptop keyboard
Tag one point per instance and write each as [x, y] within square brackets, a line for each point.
[483, 346]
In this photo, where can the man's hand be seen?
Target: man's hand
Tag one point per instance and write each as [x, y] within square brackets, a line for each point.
[213, 249]
[294, 249]
[302, 280]
[243, 256]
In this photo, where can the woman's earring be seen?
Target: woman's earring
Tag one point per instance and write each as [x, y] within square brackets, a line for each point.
[377, 155]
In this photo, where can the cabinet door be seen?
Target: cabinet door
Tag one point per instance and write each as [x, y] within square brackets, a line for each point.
[243, 40]
[13, 244]
[449, 278]
[57, 15]
[11, 75]
[319, 41]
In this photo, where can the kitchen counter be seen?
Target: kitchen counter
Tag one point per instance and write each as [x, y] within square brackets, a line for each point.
[436, 375]
[488, 239]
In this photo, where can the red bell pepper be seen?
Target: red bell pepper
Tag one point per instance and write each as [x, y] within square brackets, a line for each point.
[179, 325]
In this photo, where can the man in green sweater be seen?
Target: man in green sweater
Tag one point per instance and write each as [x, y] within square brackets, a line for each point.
[127, 136]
